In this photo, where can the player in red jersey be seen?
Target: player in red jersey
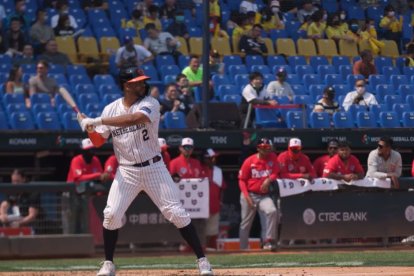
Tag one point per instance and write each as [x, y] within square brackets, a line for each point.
[320, 162]
[110, 167]
[184, 166]
[293, 163]
[164, 152]
[256, 175]
[344, 165]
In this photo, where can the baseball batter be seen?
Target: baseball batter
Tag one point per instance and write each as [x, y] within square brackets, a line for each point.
[133, 123]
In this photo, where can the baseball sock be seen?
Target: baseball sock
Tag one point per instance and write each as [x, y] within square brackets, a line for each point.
[190, 236]
[110, 239]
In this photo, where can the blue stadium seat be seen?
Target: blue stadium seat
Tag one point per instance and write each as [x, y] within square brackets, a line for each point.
[48, 121]
[264, 69]
[150, 71]
[232, 99]
[21, 120]
[375, 13]
[3, 121]
[5, 67]
[301, 70]
[295, 119]
[275, 60]
[195, 31]
[381, 61]
[332, 79]
[267, 78]
[13, 99]
[38, 98]
[383, 89]
[41, 107]
[76, 70]
[227, 89]
[184, 61]
[161, 60]
[324, 70]
[390, 100]
[169, 70]
[241, 80]
[169, 79]
[87, 98]
[299, 89]
[408, 119]
[315, 91]
[389, 119]
[276, 34]
[286, 68]
[175, 120]
[366, 119]
[293, 79]
[309, 79]
[56, 69]
[220, 80]
[79, 79]
[28, 68]
[109, 98]
[343, 119]
[355, 12]
[320, 120]
[5, 59]
[340, 60]
[268, 118]
[104, 89]
[59, 78]
[405, 89]
[388, 71]
[346, 71]
[355, 109]
[69, 121]
[315, 61]
[292, 27]
[341, 89]
[93, 108]
[237, 69]
[397, 80]
[84, 88]
[374, 80]
[296, 60]
[408, 71]
[251, 60]
[400, 108]
[15, 108]
[103, 79]
[232, 60]
[104, 31]
[331, 6]
[302, 99]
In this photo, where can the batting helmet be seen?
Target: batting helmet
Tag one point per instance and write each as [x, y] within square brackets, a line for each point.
[133, 74]
[264, 143]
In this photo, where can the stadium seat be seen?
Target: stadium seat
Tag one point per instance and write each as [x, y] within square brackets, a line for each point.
[397, 80]
[309, 79]
[327, 47]
[75, 69]
[59, 78]
[93, 108]
[389, 119]
[175, 120]
[408, 71]
[109, 98]
[388, 71]
[237, 69]
[87, 98]
[13, 98]
[48, 121]
[17, 107]
[79, 79]
[241, 80]
[315, 91]
[222, 45]
[151, 72]
[251, 60]
[56, 69]
[22, 120]
[28, 68]
[38, 98]
[103, 79]
[109, 45]
[365, 119]
[5, 68]
[3, 121]
[41, 107]
[227, 89]
[264, 69]
[343, 119]
[295, 119]
[390, 100]
[84, 88]
[299, 89]
[306, 47]
[302, 99]
[332, 79]
[164, 60]
[87, 48]
[345, 71]
[69, 121]
[390, 49]
[232, 60]
[183, 61]
[348, 48]
[275, 60]
[293, 79]
[341, 89]
[268, 118]
[232, 98]
[66, 45]
[381, 61]
[196, 46]
[270, 47]
[400, 108]
[331, 6]
[355, 12]
[104, 89]
[324, 70]
[286, 68]
[169, 79]
[374, 80]
[301, 70]
[405, 89]
[285, 46]
[340, 60]
[183, 47]
[355, 108]
[296, 60]
[275, 34]
[407, 119]
[267, 78]
[320, 120]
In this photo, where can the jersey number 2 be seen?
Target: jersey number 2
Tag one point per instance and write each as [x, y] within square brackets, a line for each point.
[145, 135]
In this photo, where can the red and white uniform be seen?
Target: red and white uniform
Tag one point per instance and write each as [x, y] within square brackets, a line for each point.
[295, 168]
[186, 168]
[320, 163]
[111, 165]
[217, 185]
[336, 165]
[166, 157]
[255, 170]
[80, 171]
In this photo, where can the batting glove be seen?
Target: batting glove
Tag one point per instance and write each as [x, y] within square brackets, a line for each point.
[85, 123]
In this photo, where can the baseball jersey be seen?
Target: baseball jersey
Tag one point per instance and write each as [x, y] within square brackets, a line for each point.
[166, 157]
[255, 170]
[215, 188]
[186, 168]
[111, 165]
[320, 163]
[294, 168]
[336, 165]
[80, 171]
[137, 143]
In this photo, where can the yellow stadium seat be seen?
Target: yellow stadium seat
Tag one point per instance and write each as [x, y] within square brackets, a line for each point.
[66, 45]
[363, 45]
[109, 45]
[196, 46]
[390, 49]
[88, 48]
[269, 46]
[306, 47]
[326, 47]
[222, 45]
[235, 44]
[137, 40]
[184, 47]
[348, 48]
[285, 46]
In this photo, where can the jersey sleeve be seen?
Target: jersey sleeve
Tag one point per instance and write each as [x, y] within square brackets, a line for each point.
[244, 175]
[329, 168]
[358, 167]
[149, 109]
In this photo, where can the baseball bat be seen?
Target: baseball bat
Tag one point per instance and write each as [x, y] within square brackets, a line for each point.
[68, 98]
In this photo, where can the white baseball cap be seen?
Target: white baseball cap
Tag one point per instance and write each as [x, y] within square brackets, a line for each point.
[162, 143]
[187, 141]
[87, 144]
[210, 153]
[295, 142]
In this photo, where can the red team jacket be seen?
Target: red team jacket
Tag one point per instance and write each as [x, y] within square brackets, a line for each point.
[336, 165]
[215, 191]
[81, 171]
[254, 171]
[294, 169]
[186, 169]
[111, 165]
[166, 157]
[320, 163]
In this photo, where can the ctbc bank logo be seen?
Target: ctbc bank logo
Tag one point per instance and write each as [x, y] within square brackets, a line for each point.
[309, 216]
[409, 213]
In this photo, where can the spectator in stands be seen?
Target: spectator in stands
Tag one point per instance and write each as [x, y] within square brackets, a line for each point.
[184, 91]
[41, 83]
[254, 93]
[27, 56]
[132, 55]
[14, 39]
[344, 166]
[216, 64]
[342, 20]
[50, 4]
[136, 21]
[52, 55]
[303, 29]
[194, 72]
[359, 96]
[144, 6]
[182, 82]
[242, 28]
[316, 29]
[95, 4]
[253, 44]
[20, 209]
[20, 14]
[166, 157]
[279, 87]
[217, 185]
[256, 174]
[307, 10]
[155, 92]
[169, 9]
[215, 19]
[41, 32]
[391, 25]
[152, 18]
[409, 59]
[63, 27]
[365, 65]
[369, 34]
[110, 167]
[272, 18]
[161, 43]
[63, 9]
[294, 163]
[327, 103]
[171, 101]
[320, 162]
[334, 30]
[247, 6]
[288, 6]
[14, 83]
[384, 162]
[178, 27]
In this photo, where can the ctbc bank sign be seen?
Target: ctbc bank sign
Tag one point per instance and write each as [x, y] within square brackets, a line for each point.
[309, 217]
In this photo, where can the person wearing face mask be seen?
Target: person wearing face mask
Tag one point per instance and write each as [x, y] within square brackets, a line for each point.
[316, 29]
[320, 162]
[359, 97]
[365, 65]
[280, 87]
[178, 27]
[334, 30]
[271, 18]
[327, 103]
[369, 34]
[307, 10]
[391, 25]
[63, 8]
[152, 17]
[294, 164]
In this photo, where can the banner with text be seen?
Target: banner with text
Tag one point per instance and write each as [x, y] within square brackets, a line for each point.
[194, 195]
[288, 187]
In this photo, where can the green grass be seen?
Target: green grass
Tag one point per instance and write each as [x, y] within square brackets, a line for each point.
[357, 258]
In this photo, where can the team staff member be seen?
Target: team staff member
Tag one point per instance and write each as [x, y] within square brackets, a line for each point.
[133, 121]
[344, 165]
[385, 162]
[164, 152]
[255, 176]
[294, 164]
[320, 162]
[110, 167]
[184, 166]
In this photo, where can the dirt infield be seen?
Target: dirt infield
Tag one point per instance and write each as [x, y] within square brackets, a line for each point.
[309, 271]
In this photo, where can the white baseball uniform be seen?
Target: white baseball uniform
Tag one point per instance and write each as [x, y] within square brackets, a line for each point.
[140, 166]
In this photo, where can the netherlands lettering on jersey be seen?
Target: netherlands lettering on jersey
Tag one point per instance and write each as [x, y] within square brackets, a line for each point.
[120, 131]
